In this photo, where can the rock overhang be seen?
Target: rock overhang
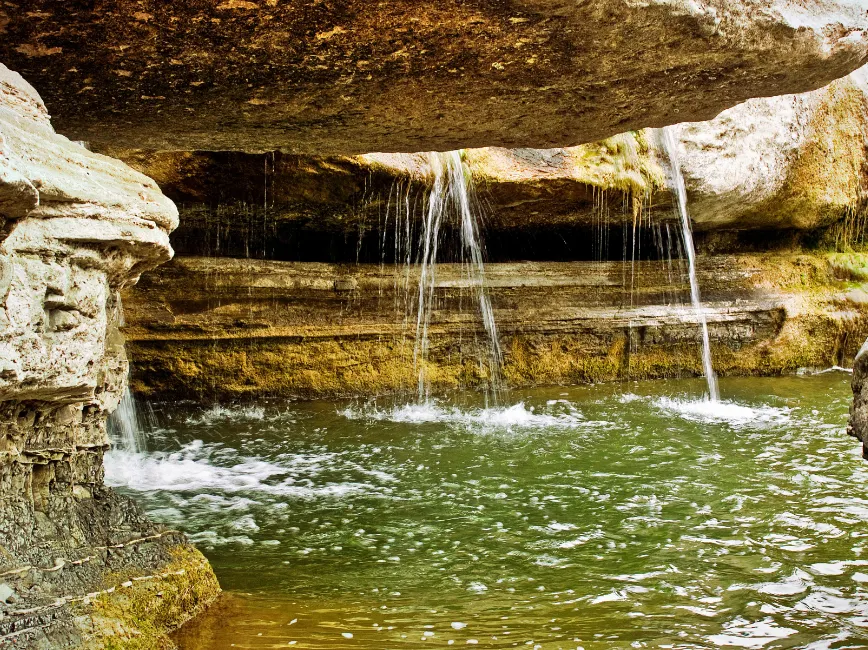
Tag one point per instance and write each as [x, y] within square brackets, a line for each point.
[346, 78]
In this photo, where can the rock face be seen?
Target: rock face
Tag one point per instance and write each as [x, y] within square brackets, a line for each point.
[858, 425]
[795, 161]
[308, 320]
[790, 163]
[219, 328]
[345, 77]
[78, 228]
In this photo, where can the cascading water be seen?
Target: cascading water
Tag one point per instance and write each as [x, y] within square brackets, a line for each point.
[667, 139]
[124, 426]
[451, 197]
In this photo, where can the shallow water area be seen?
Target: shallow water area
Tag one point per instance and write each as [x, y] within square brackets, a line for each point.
[613, 516]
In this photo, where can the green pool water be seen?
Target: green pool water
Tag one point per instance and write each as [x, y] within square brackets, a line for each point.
[617, 516]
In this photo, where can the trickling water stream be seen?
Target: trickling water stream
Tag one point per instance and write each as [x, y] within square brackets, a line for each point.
[125, 429]
[451, 197]
[667, 138]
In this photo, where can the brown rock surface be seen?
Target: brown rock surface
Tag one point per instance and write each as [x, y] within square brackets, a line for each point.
[223, 328]
[351, 77]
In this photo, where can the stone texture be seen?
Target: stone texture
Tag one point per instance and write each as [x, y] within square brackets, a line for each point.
[346, 77]
[219, 328]
[795, 162]
[78, 228]
[858, 425]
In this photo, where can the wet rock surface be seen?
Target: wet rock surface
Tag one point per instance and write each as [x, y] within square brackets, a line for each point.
[226, 328]
[79, 227]
[344, 78]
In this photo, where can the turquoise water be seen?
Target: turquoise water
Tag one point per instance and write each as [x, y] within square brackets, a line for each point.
[617, 516]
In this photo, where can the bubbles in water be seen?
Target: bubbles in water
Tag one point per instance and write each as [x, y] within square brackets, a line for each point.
[221, 413]
[558, 414]
[200, 467]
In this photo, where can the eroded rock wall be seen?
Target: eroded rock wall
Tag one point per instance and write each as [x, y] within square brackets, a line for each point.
[595, 220]
[78, 228]
[212, 328]
[348, 77]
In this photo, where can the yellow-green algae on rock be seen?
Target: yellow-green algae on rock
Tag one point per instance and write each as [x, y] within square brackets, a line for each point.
[141, 611]
[220, 328]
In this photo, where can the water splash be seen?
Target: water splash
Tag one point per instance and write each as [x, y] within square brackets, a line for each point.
[667, 138]
[124, 426]
[556, 415]
[213, 468]
[727, 412]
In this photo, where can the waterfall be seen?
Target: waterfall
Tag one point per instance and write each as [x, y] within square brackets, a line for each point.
[667, 138]
[451, 198]
[124, 425]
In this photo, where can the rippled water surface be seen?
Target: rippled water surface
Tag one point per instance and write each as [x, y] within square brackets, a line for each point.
[605, 517]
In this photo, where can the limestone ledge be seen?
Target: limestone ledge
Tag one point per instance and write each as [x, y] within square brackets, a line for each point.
[338, 78]
[221, 329]
[793, 162]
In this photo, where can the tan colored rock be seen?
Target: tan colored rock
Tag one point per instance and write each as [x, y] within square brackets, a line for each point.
[81, 227]
[795, 161]
[77, 227]
[223, 329]
[350, 77]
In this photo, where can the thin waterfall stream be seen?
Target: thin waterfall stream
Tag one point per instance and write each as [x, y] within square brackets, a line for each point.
[124, 426]
[452, 197]
[667, 138]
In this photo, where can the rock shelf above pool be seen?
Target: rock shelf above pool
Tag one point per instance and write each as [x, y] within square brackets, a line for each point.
[350, 77]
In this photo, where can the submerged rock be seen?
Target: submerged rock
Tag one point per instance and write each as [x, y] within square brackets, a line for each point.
[350, 77]
[79, 227]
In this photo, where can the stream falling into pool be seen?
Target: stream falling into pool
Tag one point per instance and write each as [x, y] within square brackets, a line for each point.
[616, 516]
[676, 179]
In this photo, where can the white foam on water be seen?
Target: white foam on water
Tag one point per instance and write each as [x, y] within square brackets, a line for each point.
[742, 634]
[823, 371]
[557, 414]
[212, 538]
[726, 412]
[221, 413]
[193, 468]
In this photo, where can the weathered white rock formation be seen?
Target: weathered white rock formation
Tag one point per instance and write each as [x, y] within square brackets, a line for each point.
[794, 161]
[76, 228]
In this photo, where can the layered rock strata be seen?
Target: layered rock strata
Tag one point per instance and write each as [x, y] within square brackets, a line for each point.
[226, 328]
[345, 77]
[80, 566]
